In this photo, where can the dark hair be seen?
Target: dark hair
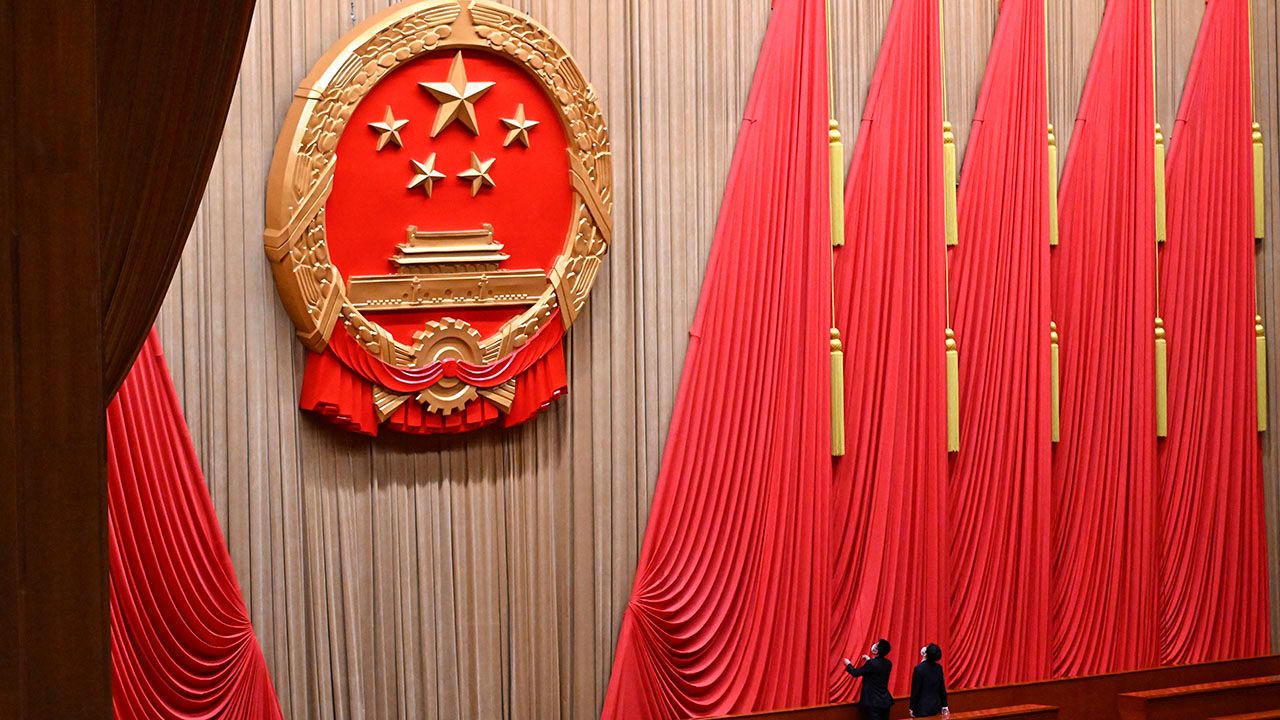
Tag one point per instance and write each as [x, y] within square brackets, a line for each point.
[932, 653]
[883, 647]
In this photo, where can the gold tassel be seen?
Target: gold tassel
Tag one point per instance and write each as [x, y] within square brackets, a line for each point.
[953, 393]
[1261, 349]
[1162, 226]
[837, 184]
[949, 178]
[837, 395]
[1053, 187]
[1259, 186]
[1055, 384]
[1162, 381]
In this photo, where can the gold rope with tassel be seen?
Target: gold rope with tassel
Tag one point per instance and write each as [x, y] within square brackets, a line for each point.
[949, 175]
[1162, 225]
[1053, 187]
[836, 153]
[1259, 198]
[837, 394]
[1055, 386]
[1260, 341]
[1162, 381]
[953, 393]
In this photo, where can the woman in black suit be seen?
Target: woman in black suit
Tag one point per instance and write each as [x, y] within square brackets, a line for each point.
[874, 671]
[928, 685]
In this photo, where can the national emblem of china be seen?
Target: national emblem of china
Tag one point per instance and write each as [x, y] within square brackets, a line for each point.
[438, 208]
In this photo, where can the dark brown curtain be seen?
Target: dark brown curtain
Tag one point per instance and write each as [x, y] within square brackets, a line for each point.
[166, 73]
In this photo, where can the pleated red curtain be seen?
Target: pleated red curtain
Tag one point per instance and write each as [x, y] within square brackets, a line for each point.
[181, 642]
[998, 498]
[728, 611]
[1213, 574]
[888, 512]
[1104, 292]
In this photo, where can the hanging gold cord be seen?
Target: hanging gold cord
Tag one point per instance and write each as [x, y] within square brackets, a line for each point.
[1161, 344]
[1055, 365]
[1259, 232]
[952, 238]
[836, 158]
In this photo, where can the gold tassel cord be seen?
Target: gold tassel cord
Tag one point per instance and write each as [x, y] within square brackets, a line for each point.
[1259, 185]
[836, 151]
[1162, 223]
[1053, 188]
[1055, 384]
[949, 174]
[1162, 381]
[953, 393]
[837, 394]
[1260, 342]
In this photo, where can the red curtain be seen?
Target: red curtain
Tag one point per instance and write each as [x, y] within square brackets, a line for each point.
[998, 524]
[728, 612]
[1104, 287]
[1213, 574]
[888, 513]
[181, 642]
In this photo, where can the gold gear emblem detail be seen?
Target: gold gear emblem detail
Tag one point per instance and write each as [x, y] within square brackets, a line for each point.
[448, 339]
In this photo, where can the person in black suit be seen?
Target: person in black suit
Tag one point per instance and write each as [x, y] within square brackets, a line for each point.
[928, 685]
[874, 671]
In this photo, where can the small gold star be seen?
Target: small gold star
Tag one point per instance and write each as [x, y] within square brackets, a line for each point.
[426, 174]
[389, 129]
[457, 98]
[518, 127]
[478, 174]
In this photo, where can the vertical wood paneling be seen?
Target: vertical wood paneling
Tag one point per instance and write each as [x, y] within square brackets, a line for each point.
[438, 578]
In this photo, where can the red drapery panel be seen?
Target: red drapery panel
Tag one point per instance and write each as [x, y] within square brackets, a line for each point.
[181, 642]
[1104, 286]
[728, 612]
[1213, 574]
[1000, 552]
[888, 510]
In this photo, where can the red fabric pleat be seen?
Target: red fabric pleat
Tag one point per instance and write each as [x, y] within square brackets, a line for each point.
[1213, 575]
[888, 512]
[728, 611]
[1104, 494]
[1000, 480]
[181, 642]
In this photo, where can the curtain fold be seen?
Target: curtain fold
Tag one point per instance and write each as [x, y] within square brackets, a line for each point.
[888, 512]
[1213, 570]
[1104, 292]
[728, 610]
[166, 75]
[999, 491]
[181, 642]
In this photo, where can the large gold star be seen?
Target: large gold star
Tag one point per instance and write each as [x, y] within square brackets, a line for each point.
[518, 127]
[457, 98]
[389, 129]
[426, 174]
[478, 174]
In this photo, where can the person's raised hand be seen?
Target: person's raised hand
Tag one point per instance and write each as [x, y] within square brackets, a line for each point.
[848, 662]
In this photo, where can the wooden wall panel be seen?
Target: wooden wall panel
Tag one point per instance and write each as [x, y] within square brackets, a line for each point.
[442, 579]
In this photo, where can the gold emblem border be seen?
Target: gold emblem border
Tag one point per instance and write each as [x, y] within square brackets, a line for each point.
[310, 286]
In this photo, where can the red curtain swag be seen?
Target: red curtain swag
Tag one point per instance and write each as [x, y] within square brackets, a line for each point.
[888, 512]
[1213, 595]
[727, 613]
[1104, 288]
[998, 497]
[181, 642]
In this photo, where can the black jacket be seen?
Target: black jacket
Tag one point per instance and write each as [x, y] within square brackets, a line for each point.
[928, 690]
[875, 682]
